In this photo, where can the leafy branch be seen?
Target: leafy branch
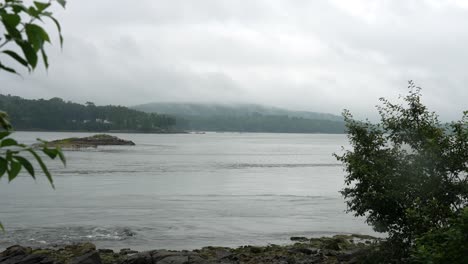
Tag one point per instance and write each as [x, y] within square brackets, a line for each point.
[29, 36]
[12, 159]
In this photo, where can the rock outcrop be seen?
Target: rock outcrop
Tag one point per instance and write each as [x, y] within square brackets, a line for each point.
[92, 141]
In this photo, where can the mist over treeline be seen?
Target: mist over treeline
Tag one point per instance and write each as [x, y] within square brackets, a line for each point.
[246, 118]
[56, 114]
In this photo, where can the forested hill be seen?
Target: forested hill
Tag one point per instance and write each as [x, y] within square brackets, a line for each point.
[246, 118]
[206, 109]
[57, 115]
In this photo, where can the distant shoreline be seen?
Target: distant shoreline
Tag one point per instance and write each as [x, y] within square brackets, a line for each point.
[110, 131]
[173, 132]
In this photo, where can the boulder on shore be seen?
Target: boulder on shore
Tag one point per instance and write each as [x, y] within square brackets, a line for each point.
[92, 141]
[337, 249]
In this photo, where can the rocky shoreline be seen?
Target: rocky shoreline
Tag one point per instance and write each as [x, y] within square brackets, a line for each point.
[336, 249]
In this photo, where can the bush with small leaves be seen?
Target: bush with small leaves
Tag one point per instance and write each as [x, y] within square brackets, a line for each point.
[407, 174]
[445, 245]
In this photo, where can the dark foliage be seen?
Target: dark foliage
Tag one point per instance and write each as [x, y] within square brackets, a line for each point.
[444, 245]
[408, 174]
[56, 114]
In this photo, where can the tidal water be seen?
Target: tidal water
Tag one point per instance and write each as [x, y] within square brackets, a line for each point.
[182, 191]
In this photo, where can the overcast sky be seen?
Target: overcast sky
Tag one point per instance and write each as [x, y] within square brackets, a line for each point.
[306, 55]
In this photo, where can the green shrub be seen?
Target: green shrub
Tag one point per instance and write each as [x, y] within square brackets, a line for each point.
[407, 174]
[445, 245]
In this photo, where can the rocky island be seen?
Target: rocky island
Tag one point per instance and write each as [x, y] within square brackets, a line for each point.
[337, 249]
[92, 141]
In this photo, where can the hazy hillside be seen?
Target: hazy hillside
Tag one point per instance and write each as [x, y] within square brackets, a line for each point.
[206, 109]
[245, 118]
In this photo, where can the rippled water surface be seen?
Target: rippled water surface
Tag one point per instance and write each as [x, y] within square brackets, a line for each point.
[183, 191]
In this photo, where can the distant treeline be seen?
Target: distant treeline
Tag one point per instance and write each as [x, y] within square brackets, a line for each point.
[238, 117]
[259, 123]
[57, 115]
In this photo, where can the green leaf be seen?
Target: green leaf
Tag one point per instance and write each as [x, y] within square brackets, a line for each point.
[10, 20]
[4, 134]
[33, 12]
[18, 7]
[3, 166]
[41, 6]
[17, 57]
[44, 58]
[63, 3]
[8, 69]
[15, 168]
[1, 227]
[26, 164]
[13, 32]
[8, 142]
[52, 153]
[59, 28]
[43, 167]
[36, 36]
[8, 157]
[29, 53]
[61, 156]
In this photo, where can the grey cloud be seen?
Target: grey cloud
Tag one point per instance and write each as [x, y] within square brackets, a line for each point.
[308, 55]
